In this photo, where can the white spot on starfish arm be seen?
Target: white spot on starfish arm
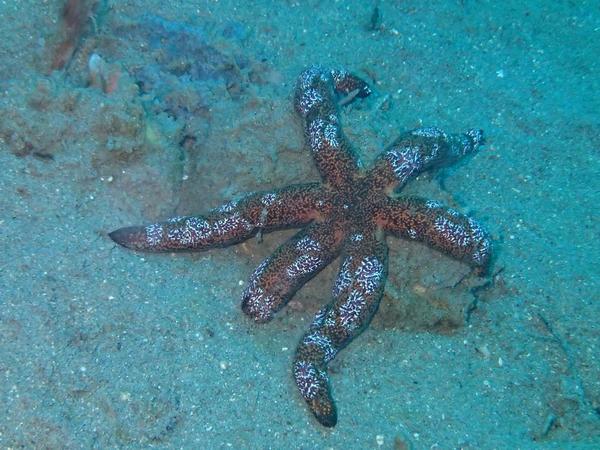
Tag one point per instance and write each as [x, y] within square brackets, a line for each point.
[307, 379]
[303, 265]
[308, 245]
[154, 234]
[344, 278]
[227, 224]
[323, 343]
[308, 100]
[357, 237]
[227, 207]
[259, 304]
[404, 162]
[330, 133]
[350, 311]
[429, 132]
[268, 199]
[433, 204]
[188, 231]
[315, 134]
[452, 232]
[483, 245]
[369, 274]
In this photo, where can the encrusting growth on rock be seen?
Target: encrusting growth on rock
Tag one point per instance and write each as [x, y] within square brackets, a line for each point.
[75, 16]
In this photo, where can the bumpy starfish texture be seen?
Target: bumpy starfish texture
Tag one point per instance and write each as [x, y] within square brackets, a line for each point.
[349, 214]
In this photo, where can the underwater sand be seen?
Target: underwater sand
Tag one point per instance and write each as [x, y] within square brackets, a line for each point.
[101, 347]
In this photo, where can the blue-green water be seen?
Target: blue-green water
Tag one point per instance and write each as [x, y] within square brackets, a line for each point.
[168, 108]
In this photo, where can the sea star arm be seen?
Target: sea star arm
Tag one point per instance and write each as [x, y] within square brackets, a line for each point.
[315, 102]
[356, 295]
[418, 150]
[441, 228]
[229, 224]
[277, 278]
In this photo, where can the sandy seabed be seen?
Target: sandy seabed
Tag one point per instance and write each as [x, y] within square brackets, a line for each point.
[171, 108]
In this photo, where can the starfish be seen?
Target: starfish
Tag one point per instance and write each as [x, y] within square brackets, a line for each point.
[348, 214]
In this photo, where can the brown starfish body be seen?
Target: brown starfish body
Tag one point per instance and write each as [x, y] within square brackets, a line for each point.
[349, 214]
